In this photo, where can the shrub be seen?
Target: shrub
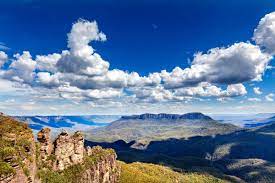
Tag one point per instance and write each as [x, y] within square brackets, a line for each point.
[6, 169]
[7, 152]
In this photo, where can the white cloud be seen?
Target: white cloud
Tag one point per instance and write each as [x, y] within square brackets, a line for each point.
[80, 73]
[209, 90]
[257, 90]
[47, 62]
[235, 90]
[6, 86]
[81, 59]
[238, 63]
[103, 94]
[21, 69]
[155, 94]
[46, 79]
[3, 58]
[269, 97]
[82, 33]
[264, 34]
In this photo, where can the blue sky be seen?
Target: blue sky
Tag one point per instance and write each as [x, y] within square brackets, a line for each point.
[142, 37]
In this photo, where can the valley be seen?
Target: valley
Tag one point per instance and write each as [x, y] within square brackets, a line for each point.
[188, 143]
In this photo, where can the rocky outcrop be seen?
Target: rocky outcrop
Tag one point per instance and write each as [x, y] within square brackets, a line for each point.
[106, 170]
[68, 150]
[43, 137]
[65, 160]
[93, 165]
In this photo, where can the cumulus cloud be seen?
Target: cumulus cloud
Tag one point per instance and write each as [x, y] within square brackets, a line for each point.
[209, 90]
[238, 63]
[46, 79]
[264, 34]
[21, 69]
[71, 92]
[155, 94]
[269, 97]
[235, 90]
[80, 73]
[81, 59]
[257, 90]
[47, 63]
[3, 58]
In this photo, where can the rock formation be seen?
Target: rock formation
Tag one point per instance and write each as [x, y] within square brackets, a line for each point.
[107, 170]
[65, 160]
[45, 143]
[68, 150]
[97, 164]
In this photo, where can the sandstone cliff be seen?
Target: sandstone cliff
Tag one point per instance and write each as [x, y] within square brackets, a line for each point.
[63, 160]
[74, 163]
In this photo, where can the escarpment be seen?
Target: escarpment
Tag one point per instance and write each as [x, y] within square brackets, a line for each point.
[17, 152]
[63, 160]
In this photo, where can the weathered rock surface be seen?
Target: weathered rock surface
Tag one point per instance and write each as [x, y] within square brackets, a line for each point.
[67, 150]
[107, 170]
[65, 160]
[17, 152]
[43, 138]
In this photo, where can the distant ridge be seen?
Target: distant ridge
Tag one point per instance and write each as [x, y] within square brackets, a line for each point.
[267, 121]
[190, 116]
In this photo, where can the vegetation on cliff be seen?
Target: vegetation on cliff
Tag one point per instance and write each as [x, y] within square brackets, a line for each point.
[74, 173]
[15, 146]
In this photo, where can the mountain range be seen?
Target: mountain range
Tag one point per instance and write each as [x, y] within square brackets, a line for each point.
[201, 145]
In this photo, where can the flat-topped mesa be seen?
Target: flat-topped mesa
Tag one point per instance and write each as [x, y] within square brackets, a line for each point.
[187, 116]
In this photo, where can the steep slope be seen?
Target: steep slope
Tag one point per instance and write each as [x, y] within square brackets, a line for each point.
[248, 154]
[148, 127]
[17, 151]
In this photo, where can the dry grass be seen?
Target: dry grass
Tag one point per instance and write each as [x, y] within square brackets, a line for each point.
[150, 173]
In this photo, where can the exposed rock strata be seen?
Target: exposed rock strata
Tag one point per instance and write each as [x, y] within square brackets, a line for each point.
[100, 165]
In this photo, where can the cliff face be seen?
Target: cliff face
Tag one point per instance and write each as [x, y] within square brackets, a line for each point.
[17, 152]
[164, 116]
[75, 163]
[107, 170]
[62, 161]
